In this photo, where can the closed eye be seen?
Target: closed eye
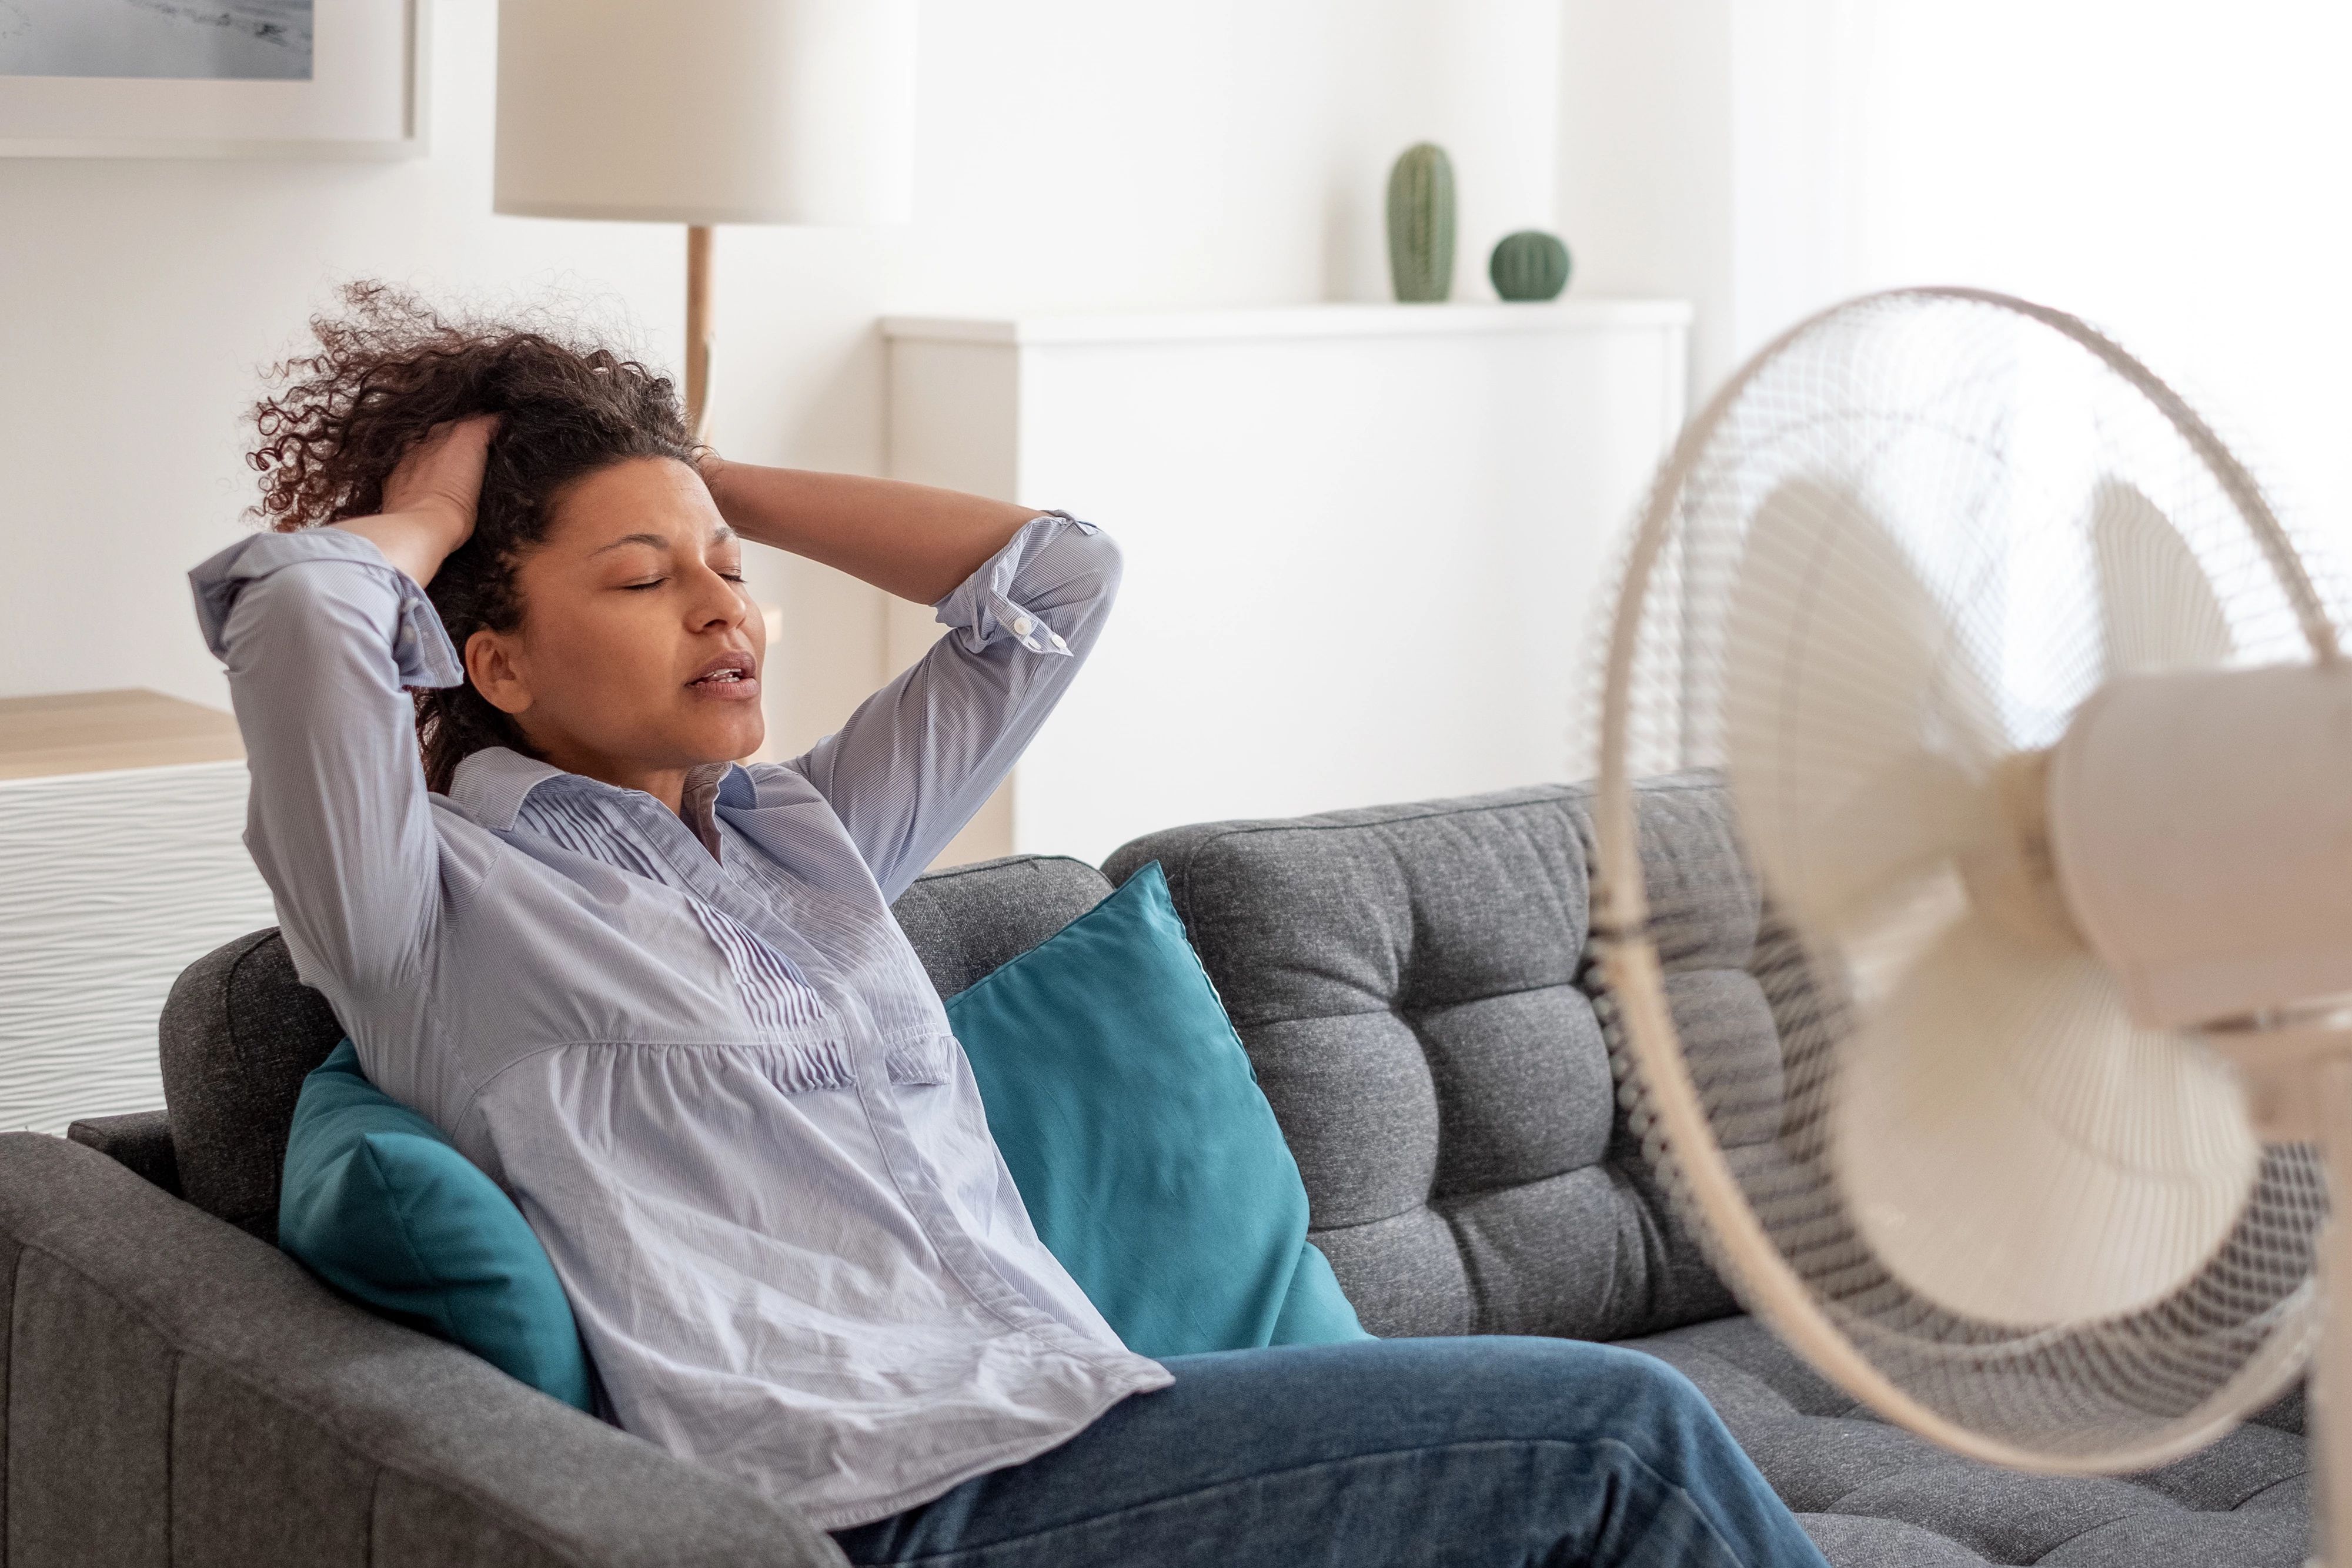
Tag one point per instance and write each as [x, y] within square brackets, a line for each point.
[735, 577]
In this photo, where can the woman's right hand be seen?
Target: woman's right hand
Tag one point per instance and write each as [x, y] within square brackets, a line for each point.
[430, 499]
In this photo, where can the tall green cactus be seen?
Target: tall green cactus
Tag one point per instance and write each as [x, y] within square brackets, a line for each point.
[1421, 224]
[1528, 265]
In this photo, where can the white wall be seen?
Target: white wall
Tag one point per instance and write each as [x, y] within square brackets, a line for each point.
[1071, 155]
[2166, 168]
[2170, 170]
[1645, 169]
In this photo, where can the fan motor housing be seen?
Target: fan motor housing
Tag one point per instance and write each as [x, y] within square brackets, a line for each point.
[2201, 824]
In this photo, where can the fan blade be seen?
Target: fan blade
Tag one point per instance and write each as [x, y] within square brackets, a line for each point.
[2017, 1151]
[2156, 604]
[1856, 729]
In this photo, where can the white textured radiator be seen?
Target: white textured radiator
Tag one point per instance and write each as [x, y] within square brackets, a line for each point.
[110, 884]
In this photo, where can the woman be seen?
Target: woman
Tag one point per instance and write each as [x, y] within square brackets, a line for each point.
[659, 995]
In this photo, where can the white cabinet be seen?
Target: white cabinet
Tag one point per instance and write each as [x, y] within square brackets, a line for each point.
[123, 860]
[1363, 542]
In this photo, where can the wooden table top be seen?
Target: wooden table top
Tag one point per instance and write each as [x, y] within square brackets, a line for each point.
[103, 732]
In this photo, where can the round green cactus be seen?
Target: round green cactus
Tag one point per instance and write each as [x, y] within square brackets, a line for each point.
[1421, 224]
[1528, 265]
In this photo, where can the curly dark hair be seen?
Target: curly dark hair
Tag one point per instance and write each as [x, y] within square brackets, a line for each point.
[387, 370]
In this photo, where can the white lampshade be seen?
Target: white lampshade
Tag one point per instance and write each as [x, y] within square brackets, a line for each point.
[706, 112]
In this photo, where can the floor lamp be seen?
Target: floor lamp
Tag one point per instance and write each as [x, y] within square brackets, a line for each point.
[704, 112]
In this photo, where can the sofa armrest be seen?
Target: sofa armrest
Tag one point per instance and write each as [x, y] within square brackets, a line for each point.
[175, 1391]
[141, 1140]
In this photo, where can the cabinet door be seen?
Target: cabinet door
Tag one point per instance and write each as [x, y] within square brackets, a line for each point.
[1358, 571]
[110, 884]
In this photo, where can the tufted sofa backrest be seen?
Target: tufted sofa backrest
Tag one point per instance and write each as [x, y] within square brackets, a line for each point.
[1413, 984]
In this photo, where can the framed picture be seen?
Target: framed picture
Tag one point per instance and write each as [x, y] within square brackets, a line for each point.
[211, 79]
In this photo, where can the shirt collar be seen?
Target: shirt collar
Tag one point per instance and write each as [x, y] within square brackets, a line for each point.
[490, 786]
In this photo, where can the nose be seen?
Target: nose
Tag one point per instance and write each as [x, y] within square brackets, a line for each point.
[717, 603]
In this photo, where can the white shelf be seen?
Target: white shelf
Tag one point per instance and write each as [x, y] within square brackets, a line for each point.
[1291, 322]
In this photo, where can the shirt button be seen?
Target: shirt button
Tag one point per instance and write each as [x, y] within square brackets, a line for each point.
[1056, 636]
[1020, 624]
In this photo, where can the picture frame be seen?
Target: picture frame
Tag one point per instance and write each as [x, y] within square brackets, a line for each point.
[364, 95]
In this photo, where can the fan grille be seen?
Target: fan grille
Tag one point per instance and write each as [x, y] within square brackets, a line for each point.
[1976, 429]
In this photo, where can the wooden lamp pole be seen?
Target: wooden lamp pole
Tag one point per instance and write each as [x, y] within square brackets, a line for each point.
[698, 331]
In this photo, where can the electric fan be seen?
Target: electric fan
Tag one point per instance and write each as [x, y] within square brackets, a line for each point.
[2032, 732]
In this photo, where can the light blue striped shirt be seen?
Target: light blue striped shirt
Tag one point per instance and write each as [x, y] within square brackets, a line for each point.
[695, 1046]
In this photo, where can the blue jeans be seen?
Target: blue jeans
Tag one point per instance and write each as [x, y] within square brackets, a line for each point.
[1536, 1453]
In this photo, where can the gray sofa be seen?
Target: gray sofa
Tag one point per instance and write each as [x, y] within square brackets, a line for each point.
[1411, 982]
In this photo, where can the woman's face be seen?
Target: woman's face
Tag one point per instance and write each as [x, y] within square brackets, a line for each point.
[639, 652]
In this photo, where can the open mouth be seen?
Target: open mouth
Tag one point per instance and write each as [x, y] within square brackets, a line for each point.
[727, 670]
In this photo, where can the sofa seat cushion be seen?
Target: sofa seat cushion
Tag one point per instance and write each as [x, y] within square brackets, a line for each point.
[1875, 1496]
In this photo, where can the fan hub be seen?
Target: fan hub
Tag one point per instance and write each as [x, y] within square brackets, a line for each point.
[2202, 824]
[2012, 875]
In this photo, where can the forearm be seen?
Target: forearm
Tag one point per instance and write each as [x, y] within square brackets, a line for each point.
[417, 543]
[943, 735]
[918, 541]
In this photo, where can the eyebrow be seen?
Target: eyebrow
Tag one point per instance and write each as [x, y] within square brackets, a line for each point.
[719, 535]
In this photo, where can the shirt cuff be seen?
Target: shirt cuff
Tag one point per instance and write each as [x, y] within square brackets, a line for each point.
[985, 607]
[420, 644]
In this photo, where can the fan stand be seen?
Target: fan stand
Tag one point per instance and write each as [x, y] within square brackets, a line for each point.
[2298, 1073]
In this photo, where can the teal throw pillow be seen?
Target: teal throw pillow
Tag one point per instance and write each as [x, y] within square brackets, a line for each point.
[1133, 1124]
[384, 1209]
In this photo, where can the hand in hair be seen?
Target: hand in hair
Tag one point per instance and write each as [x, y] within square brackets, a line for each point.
[388, 371]
[430, 499]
